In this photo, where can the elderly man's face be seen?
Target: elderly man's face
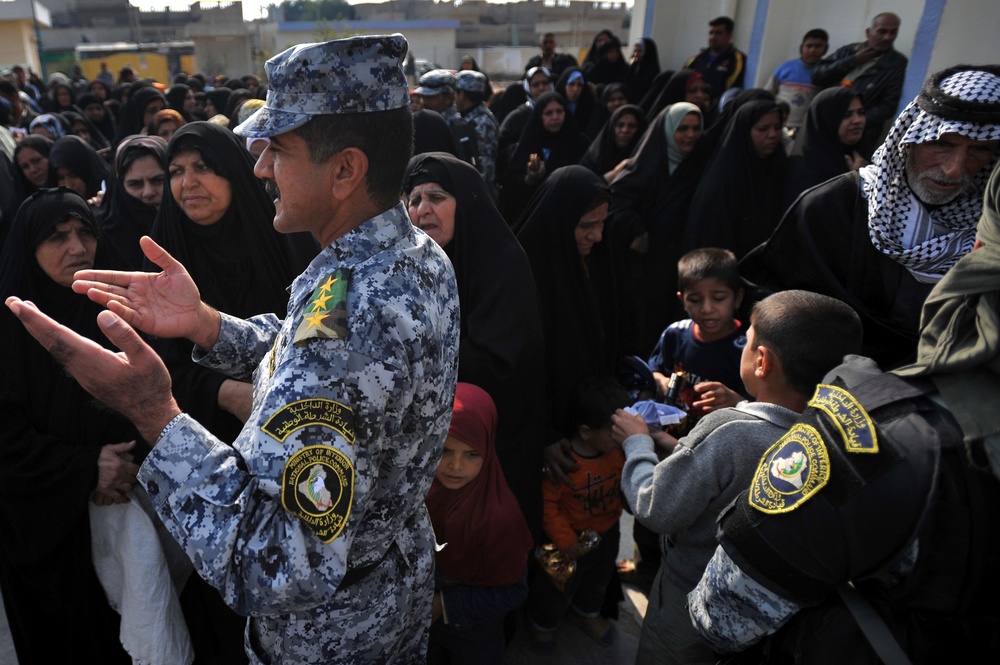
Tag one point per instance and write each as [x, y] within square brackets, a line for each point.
[883, 32]
[938, 171]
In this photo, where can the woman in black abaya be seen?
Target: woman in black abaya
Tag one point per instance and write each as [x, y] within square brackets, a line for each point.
[501, 346]
[740, 198]
[136, 112]
[549, 141]
[824, 148]
[643, 66]
[610, 66]
[134, 196]
[580, 101]
[616, 142]
[74, 163]
[53, 436]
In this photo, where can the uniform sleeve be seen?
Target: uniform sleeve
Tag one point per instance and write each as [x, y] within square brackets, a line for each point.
[269, 521]
[241, 345]
[731, 610]
[554, 521]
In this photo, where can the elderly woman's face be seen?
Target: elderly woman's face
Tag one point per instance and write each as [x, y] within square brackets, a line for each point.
[432, 210]
[71, 247]
[201, 193]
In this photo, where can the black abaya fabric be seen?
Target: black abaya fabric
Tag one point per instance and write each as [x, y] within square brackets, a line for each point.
[605, 70]
[431, 133]
[127, 218]
[51, 433]
[818, 153]
[107, 124]
[176, 95]
[740, 198]
[501, 346]
[641, 74]
[43, 146]
[97, 140]
[604, 154]
[79, 158]
[582, 311]
[600, 116]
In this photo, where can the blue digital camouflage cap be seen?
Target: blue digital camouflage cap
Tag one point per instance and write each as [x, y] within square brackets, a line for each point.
[435, 82]
[354, 75]
[470, 81]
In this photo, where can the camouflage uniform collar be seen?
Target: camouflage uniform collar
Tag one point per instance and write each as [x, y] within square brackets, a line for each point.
[381, 231]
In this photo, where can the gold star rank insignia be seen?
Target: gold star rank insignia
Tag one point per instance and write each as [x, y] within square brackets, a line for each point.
[324, 315]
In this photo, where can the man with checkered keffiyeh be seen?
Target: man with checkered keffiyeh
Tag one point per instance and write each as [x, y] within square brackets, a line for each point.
[880, 238]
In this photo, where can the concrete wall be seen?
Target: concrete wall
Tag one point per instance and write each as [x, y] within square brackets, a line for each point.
[17, 45]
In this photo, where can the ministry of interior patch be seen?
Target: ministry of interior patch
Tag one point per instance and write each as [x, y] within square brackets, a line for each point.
[313, 411]
[317, 485]
[791, 471]
[325, 313]
[852, 421]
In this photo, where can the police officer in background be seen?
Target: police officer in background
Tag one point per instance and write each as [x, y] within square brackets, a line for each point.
[470, 100]
[902, 526]
[437, 88]
[313, 522]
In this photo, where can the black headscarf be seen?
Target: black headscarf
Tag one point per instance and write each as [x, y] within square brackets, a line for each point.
[219, 98]
[133, 111]
[241, 265]
[600, 116]
[818, 153]
[581, 306]
[51, 433]
[740, 198]
[603, 153]
[431, 133]
[605, 71]
[593, 51]
[236, 97]
[79, 158]
[97, 140]
[176, 95]
[585, 106]
[642, 72]
[673, 91]
[51, 102]
[501, 347]
[107, 125]
[127, 218]
[40, 144]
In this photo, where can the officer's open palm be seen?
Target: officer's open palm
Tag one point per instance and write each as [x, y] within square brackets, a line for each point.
[164, 304]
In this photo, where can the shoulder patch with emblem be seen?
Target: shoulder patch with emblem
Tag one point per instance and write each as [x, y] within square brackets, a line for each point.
[852, 421]
[325, 313]
[317, 486]
[314, 411]
[791, 471]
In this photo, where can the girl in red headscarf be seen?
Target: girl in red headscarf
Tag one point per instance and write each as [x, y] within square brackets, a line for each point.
[482, 537]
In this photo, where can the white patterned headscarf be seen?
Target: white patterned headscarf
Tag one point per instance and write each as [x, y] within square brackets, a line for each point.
[961, 100]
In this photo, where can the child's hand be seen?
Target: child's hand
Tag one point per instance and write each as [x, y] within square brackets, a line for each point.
[713, 396]
[624, 425]
[573, 552]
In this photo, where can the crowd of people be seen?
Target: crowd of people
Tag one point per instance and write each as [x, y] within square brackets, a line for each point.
[439, 327]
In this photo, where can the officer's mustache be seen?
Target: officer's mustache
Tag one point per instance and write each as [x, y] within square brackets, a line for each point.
[272, 190]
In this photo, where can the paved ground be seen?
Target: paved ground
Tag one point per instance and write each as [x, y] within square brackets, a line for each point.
[575, 647]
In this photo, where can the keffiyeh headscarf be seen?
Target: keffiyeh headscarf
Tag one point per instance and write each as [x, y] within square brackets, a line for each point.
[960, 100]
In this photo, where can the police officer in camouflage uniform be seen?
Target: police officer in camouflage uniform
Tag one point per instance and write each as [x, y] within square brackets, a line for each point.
[437, 87]
[470, 100]
[313, 523]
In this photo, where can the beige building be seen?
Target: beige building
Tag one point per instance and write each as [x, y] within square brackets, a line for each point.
[18, 36]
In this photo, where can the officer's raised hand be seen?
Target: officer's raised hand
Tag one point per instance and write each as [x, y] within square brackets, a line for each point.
[134, 381]
[164, 304]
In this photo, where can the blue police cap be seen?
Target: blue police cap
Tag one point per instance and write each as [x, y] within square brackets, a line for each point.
[470, 81]
[435, 82]
[355, 75]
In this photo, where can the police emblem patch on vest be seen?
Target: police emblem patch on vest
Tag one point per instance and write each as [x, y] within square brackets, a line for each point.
[317, 486]
[791, 471]
[305, 412]
[852, 421]
[325, 313]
